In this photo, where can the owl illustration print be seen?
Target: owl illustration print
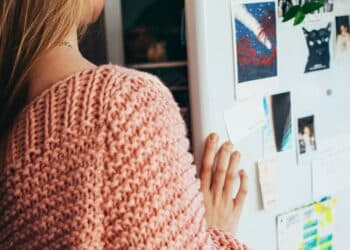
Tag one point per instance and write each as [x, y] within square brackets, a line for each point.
[318, 46]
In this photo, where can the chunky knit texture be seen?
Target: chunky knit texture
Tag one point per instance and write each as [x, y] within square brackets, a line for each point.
[100, 161]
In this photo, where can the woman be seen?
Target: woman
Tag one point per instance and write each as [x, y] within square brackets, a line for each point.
[96, 157]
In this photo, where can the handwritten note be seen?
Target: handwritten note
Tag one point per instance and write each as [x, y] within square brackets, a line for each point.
[267, 180]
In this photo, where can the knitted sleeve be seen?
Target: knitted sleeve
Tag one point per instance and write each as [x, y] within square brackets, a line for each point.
[224, 240]
[151, 196]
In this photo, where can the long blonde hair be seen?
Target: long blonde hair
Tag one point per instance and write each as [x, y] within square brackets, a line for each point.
[29, 28]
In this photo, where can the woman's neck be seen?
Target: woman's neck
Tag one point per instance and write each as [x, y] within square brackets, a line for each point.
[58, 63]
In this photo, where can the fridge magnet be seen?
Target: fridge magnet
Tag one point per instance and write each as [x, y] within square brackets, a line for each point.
[306, 137]
[255, 47]
[277, 133]
[317, 41]
[342, 45]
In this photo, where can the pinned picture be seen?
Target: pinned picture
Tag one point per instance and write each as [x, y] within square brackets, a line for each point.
[269, 146]
[278, 131]
[317, 41]
[282, 121]
[342, 46]
[306, 135]
[285, 5]
[255, 46]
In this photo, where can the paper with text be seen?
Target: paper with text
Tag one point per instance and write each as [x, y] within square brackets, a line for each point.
[309, 227]
[331, 170]
[244, 118]
[268, 182]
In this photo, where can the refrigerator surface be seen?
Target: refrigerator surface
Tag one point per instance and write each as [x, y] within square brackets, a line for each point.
[212, 76]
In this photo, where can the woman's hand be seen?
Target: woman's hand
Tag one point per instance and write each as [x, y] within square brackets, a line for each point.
[218, 174]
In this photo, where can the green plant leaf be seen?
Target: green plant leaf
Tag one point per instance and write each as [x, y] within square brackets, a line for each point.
[299, 17]
[291, 13]
[312, 6]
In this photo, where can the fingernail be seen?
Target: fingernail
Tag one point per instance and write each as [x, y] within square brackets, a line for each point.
[228, 145]
[213, 137]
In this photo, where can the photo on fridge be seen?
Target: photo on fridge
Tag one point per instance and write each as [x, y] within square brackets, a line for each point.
[285, 5]
[318, 43]
[342, 44]
[254, 39]
[277, 133]
[306, 135]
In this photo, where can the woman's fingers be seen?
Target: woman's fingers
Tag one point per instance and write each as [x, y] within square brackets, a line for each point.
[218, 171]
[208, 161]
[230, 175]
[223, 159]
[242, 191]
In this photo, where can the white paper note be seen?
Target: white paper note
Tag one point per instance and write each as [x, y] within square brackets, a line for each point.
[244, 118]
[331, 171]
[268, 182]
[330, 175]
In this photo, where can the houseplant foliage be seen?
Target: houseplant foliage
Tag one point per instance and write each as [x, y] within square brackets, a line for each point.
[299, 12]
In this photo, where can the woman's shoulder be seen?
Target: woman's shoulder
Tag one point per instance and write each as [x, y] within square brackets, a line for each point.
[88, 94]
[113, 80]
[127, 91]
[131, 80]
[82, 103]
[125, 87]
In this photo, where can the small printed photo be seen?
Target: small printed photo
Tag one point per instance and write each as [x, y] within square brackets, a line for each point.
[342, 24]
[282, 121]
[306, 135]
[285, 5]
[328, 7]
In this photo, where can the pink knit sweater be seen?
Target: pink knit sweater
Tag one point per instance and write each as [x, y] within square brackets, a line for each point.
[99, 161]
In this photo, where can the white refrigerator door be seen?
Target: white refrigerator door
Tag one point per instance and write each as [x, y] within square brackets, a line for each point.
[210, 55]
[211, 69]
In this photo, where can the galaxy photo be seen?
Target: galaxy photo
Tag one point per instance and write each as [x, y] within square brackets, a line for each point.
[256, 45]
